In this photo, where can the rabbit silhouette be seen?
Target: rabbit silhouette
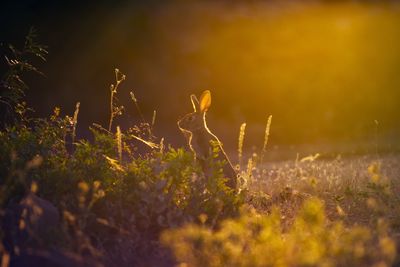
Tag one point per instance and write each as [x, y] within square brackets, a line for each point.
[200, 138]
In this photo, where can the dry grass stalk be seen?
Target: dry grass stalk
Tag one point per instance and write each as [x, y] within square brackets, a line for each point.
[119, 143]
[75, 121]
[135, 101]
[115, 110]
[267, 129]
[153, 120]
[241, 140]
[249, 172]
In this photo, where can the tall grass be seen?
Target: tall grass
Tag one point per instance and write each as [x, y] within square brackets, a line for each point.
[119, 143]
[75, 121]
[115, 110]
[240, 143]
[266, 136]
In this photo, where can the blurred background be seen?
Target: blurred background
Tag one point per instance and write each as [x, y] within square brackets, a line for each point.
[327, 71]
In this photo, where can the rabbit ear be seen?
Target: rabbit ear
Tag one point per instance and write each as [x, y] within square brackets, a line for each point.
[205, 100]
[195, 102]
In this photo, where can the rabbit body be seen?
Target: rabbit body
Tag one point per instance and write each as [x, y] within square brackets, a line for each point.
[200, 138]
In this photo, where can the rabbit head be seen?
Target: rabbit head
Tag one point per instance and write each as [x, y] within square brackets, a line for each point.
[196, 120]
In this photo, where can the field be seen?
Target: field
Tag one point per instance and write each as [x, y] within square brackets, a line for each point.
[324, 206]
[125, 197]
[356, 189]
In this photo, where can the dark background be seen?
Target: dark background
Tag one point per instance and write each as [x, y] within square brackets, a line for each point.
[325, 70]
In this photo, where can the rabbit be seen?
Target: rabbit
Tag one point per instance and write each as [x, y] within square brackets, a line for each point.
[199, 137]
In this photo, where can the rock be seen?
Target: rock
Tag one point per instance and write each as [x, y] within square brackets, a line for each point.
[27, 226]
[28, 222]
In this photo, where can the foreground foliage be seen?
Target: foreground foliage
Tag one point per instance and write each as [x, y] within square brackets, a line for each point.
[260, 240]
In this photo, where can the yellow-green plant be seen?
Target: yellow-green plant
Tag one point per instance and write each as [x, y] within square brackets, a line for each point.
[254, 239]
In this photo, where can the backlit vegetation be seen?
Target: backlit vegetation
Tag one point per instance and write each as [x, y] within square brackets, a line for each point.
[129, 199]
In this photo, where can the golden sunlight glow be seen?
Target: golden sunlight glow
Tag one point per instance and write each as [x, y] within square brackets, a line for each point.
[315, 65]
[324, 70]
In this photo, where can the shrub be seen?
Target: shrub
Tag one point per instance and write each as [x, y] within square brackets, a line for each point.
[259, 240]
